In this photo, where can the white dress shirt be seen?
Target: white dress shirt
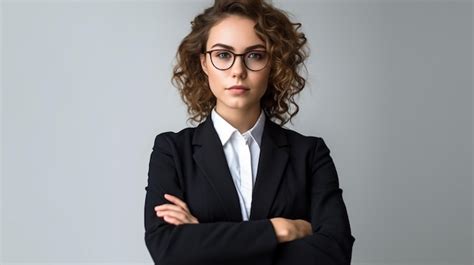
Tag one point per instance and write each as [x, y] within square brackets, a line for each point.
[242, 152]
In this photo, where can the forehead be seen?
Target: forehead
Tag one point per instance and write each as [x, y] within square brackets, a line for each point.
[235, 31]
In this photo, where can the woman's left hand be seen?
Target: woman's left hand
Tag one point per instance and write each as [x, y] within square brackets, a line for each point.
[177, 213]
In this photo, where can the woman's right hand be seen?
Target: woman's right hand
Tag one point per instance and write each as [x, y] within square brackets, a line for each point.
[289, 230]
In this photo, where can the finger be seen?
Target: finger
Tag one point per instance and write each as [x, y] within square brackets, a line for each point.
[172, 220]
[162, 205]
[176, 201]
[181, 216]
[168, 205]
[178, 212]
[177, 218]
[173, 207]
[177, 215]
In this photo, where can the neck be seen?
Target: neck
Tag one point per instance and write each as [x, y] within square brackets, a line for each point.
[241, 119]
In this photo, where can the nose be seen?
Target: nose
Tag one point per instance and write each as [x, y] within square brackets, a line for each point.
[239, 69]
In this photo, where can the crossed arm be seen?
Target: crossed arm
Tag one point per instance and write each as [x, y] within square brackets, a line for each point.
[177, 213]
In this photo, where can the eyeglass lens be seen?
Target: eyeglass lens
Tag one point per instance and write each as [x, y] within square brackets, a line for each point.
[253, 60]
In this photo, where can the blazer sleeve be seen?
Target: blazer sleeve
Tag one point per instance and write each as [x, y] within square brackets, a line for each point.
[250, 242]
[331, 242]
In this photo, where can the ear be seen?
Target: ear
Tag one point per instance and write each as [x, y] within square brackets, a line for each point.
[202, 57]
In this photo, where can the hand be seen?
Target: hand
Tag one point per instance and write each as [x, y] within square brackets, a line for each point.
[289, 230]
[176, 213]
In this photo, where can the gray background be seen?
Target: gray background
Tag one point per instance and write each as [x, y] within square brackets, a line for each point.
[86, 87]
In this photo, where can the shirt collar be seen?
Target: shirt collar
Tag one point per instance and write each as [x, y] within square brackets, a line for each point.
[225, 129]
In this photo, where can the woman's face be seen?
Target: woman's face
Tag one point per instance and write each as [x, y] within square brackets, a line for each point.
[236, 34]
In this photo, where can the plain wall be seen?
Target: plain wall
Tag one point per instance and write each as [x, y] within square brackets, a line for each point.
[86, 87]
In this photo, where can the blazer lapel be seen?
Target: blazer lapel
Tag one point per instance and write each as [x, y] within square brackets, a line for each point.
[210, 158]
[272, 163]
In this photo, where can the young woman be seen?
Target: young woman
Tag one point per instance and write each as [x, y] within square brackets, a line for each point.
[239, 188]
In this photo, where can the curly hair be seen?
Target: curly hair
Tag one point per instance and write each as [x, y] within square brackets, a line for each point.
[286, 47]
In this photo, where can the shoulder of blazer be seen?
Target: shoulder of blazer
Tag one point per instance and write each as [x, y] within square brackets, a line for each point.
[166, 141]
[203, 133]
[296, 139]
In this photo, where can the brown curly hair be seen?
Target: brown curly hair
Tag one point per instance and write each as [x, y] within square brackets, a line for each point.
[286, 47]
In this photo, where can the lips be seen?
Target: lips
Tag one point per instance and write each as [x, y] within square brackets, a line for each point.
[238, 87]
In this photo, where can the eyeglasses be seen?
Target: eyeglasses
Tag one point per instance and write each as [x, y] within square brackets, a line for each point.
[224, 59]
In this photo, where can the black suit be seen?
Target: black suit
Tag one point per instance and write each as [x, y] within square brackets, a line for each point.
[296, 179]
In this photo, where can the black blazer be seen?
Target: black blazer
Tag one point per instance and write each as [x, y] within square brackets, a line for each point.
[296, 179]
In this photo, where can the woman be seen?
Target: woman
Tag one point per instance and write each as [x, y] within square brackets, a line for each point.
[239, 188]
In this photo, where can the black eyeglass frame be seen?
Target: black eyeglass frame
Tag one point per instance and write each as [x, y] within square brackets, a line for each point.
[235, 57]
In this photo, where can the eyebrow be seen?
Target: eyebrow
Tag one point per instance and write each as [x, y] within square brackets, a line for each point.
[232, 48]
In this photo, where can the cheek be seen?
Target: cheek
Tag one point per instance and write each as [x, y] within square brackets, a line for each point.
[214, 79]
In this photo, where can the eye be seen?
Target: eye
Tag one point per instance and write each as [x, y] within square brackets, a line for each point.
[256, 55]
[223, 55]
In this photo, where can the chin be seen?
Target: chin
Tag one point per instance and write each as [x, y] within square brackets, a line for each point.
[241, 103]
[234, 103]
[237, 106]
